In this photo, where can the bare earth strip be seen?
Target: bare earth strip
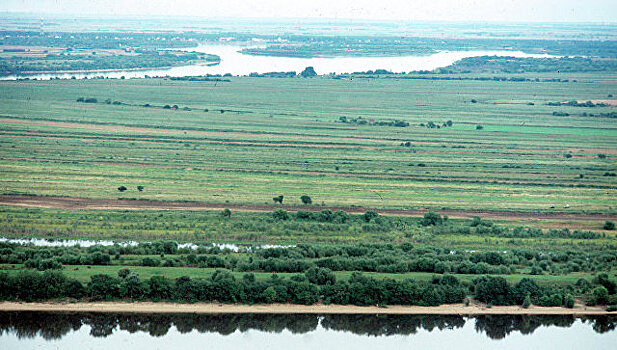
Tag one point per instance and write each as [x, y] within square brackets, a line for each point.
[129, 204]
[208, 308]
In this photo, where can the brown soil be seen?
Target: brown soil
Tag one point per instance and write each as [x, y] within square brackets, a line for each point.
[206, 308]
[131, 204]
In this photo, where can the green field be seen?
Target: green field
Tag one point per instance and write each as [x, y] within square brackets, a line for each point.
[84, 273]
[499, 148]
[283, 136]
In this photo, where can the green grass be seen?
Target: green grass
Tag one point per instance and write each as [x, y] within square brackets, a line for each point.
[515, 163]
[83, 274]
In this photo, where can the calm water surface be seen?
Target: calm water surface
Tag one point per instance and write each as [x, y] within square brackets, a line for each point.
[232, 61]
[40, 242]
[33, 330]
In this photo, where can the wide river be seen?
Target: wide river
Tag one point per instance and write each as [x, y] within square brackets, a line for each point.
[35, 330]
[236, 63]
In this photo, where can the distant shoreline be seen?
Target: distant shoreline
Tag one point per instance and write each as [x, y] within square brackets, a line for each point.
[209, 308]
[111, 70]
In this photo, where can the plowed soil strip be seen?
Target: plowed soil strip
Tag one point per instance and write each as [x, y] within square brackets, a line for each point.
[130, 204]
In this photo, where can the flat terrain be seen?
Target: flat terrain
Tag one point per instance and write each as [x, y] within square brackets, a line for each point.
[131, 204]
[208, 308]
[237, 144]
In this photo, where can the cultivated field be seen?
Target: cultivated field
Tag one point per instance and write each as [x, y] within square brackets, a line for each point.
[264, 137]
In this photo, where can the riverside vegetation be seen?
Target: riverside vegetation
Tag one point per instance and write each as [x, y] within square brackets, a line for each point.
[358, 274]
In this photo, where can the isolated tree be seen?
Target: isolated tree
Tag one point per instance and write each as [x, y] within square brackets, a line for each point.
[479, 127]
[140, 188]
[609, 225]
[306, 200]
[226, 213]
[308, 72]
[278, 199]
[122, 188]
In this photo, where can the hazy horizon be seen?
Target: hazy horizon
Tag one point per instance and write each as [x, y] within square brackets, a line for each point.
[490, 11]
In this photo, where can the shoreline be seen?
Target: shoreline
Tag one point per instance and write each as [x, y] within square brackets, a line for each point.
[111, 70]
[210, 308]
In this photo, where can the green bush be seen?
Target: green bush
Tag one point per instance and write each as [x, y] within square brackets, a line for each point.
[280, 214]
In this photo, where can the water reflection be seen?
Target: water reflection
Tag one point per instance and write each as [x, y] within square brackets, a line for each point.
[52, 326]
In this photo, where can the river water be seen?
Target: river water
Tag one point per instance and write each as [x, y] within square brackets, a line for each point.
[40, 242]
[236, 63]
[36, 330]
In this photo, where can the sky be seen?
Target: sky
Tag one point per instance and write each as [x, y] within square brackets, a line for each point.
[413, 10]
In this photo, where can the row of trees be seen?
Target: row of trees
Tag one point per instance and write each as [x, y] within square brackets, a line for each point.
[317, 284]
[306, 200]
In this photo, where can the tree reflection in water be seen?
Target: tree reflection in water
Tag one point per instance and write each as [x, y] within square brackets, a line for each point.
[55, 325]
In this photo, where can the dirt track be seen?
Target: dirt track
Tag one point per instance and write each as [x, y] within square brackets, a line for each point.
[149, 307]
[101, 203]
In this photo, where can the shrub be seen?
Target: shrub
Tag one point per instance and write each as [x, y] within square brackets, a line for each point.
[280, 214]
[148, 261]
[493, 290]
[370, 215]
[123, 273]
[600, 295]
[431, 218]
[306, 200]
[568, 301]
[103, 287]
[526, 302]
[609, 225]
[269, 295]
[122, 188]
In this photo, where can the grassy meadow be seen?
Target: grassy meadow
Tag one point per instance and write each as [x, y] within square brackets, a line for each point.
[249, 139]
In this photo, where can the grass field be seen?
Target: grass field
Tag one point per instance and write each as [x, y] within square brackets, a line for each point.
[83, 274]
[283, 136]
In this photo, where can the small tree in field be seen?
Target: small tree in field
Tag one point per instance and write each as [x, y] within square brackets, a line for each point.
[122, 188]
[306, 200]
[278, 199]
[609, 225]
[226, 213]
[140, 188]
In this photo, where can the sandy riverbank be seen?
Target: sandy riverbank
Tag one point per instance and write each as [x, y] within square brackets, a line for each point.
[205, 308]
